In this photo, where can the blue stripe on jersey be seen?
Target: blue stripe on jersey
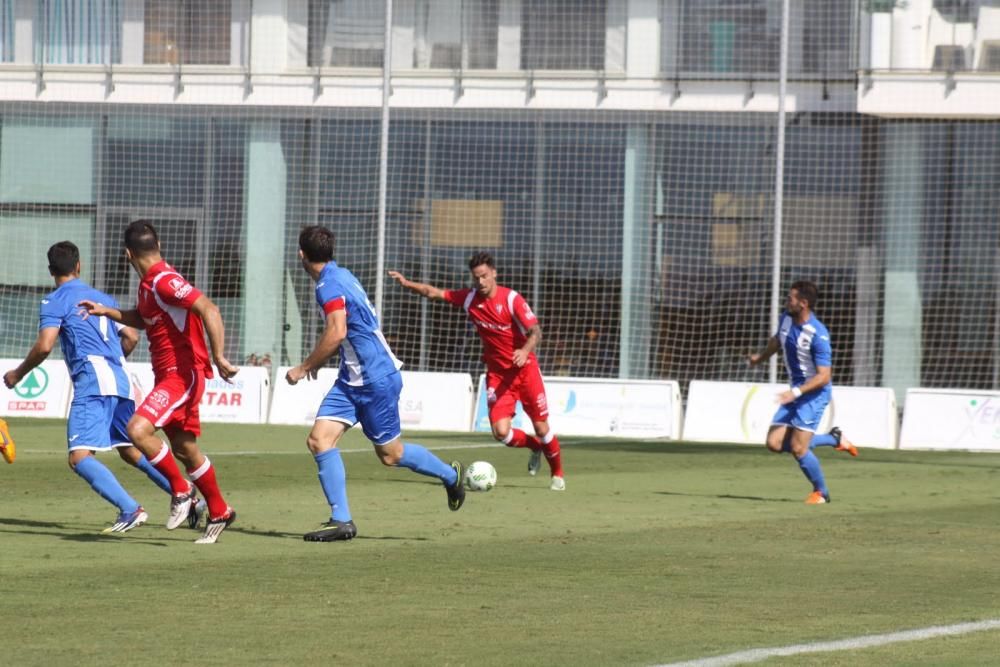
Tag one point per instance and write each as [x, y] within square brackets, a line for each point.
[364, 355]
[91, 347]
[805, 347]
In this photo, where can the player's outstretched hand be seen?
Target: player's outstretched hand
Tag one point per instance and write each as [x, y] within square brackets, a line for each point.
[10, 379]
[785, 397]
[226, 369]
[753, 359]
[398, 277]
[89, 308]
[298, 373]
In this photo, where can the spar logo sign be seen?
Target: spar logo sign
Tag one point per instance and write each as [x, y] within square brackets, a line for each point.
[30, 390]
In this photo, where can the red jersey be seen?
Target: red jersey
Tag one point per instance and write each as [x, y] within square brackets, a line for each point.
[176, 335]
[501, 321]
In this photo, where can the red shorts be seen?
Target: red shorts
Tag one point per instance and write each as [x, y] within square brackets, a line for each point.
[173, 403]
[503, 390]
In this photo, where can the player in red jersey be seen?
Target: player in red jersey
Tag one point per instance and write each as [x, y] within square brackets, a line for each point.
[509, 332]
[175, 315]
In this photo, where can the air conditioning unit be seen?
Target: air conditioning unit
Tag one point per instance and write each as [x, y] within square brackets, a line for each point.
[989, 57]
[949, 58]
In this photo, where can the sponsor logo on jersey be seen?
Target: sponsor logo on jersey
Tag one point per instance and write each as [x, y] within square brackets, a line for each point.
[180, 287]
[159, 398]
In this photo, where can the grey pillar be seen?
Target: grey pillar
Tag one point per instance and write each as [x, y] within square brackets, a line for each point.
[903, 185]
[637, 302]
[264, 245]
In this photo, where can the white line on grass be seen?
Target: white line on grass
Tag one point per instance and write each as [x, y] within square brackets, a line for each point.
[850, 644]
[261, 452]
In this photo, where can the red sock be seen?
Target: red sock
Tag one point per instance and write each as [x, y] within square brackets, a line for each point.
[553, 455]
[519, 438]
[165, 463]
[204, 478]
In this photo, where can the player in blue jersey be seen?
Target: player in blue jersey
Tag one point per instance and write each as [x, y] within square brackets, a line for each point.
[805, 344]
[94, 349]
[367, 388]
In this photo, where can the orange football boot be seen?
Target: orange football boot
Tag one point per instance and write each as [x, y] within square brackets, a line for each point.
[7, 448]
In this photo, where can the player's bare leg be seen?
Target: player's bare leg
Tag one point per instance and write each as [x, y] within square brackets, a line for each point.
[776, 439]
[142, 433]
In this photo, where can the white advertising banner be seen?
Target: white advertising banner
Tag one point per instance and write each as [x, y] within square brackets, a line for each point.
[299, 404]
[242, 400]
[951, 419]
[742, 412]
[590, 407]
[436, 401]
[429, 401]
[43, 392]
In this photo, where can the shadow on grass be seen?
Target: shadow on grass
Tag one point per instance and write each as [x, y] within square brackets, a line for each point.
[30, 523]
[726, 496]
[24, 527]
[285, 535]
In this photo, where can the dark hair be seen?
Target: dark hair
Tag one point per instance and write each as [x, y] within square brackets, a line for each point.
[317, 243]
[807, 290]
[480, 258]
[63, 258]
[141, 238]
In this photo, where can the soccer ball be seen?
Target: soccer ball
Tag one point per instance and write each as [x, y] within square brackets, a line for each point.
[480, 476]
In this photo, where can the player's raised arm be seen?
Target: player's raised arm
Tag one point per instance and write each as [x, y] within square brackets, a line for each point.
[521, 355]
[39, 352]
[773, 346]
[327, 345]
[129, 318]
[209, 313]
[129, 339]
[423, 289]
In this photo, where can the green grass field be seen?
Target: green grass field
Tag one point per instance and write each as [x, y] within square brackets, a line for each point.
[657, 552]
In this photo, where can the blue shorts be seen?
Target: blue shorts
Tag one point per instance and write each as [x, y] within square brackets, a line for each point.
[375, 405]
[98, 423]
[804, 413]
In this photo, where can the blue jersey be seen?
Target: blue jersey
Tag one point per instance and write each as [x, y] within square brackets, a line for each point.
[364, 355]
[90, 346]
[806, 347]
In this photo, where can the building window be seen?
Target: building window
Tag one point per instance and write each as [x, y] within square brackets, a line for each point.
[826, 39]
[87, 32]
[450, 37]
[563, 34]
[727, 36]
[6, 31]
[179, 32]
[346, 33]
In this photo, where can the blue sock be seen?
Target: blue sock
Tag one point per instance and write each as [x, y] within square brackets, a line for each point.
[154, 474]
[822, 440]
[333, 479]
[106, 484]
[813, 472]
[419, 459]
